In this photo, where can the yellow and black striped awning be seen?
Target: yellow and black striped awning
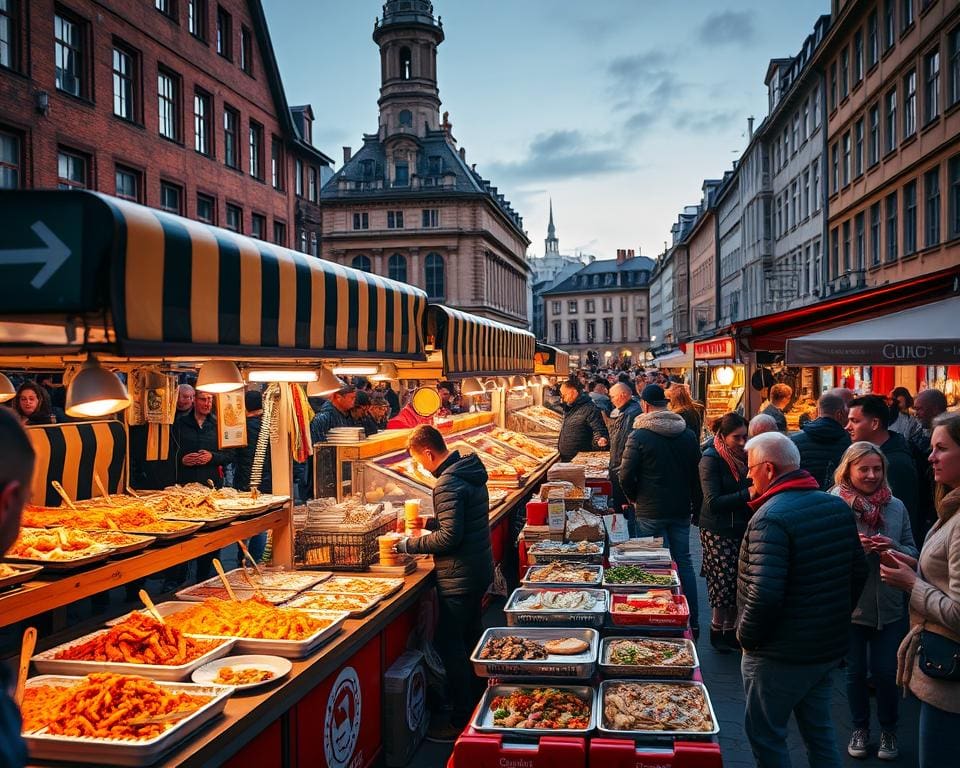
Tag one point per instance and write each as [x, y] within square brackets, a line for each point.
[476, 346]
[551, 361]
[73, 454]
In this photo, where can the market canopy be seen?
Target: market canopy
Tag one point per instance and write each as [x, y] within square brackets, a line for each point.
[551, 361]
[925, 335]
[176, 287]
[676, 358]
[476, 346]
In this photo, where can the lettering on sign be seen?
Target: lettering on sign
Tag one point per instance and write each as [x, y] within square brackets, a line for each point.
[907, 351]
[341, 726]
[717, 349]
[516, 762]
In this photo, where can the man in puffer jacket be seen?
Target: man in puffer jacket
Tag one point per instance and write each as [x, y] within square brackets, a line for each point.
[822, 442]
[801, 573]
[583, 428]
[463, 564]
[660, 474]
[626, 410]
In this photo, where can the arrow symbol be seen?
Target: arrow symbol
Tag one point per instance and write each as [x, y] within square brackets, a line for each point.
[53, 255]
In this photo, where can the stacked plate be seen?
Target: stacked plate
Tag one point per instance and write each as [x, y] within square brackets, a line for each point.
[346, 434]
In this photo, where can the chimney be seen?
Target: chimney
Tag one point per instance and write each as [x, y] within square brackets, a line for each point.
[630, 254]
[347, 154]
[621, 256]
[750, 128]
[463, 154]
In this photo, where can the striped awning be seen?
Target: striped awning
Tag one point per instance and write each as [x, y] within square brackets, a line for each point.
[551, 361]
[476, 346]
[72, 454]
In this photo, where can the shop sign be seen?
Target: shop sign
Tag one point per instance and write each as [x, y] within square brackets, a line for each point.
[715, 349]
[341, 725]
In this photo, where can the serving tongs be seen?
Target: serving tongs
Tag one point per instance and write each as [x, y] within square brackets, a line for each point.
[226, 582]
[26, 653]
[106, 497]
[148, 602]
[248, 556]
[169, 717]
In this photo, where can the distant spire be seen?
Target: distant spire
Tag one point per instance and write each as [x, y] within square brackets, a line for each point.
[552, 244]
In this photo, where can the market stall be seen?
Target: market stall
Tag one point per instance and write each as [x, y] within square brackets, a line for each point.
[677, 361]
[720, 378]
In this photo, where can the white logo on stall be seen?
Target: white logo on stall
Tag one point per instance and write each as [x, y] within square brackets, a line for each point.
[416, 695]
[341, 727]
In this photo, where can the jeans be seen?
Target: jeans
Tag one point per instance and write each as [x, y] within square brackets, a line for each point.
[938, 736]
[676, 535]
[775, 689]
[256, 545]
[873, 653]
[458, 631]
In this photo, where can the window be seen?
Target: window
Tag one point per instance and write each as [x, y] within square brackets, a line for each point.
[401, 175]
[171, 198]
[608, 304]
[910, 103]
[572, 307]
[405, 64]
[70, 55]
[835, 154]
[312, 186]
[394, 219]
[892, 227]
[166, 7]
[858, 56]
[202, 108]
[127, 184]
[9, 34]
[234, 217]
[953, 43]
[206, 209]
[833, 86]
[889, 24]
[931, 211]
[816, 109]
[795, 207]
[362, 263]
[246, 50]
[910, 218]
[276, 163]
[931, 91]
[795, 136]
[301, 240]
[805, 195]
[858, 148]
[10, 161]
[891, 126]
[256, 150]
[591, 331]
[71, 170]
[224, 33]
[280, 233]
[844, 72]
[590, 306]
[875, 234]
[433, 272]
[556, 331]
[574, 332]
[816, 185]
[623, 329]
[361, 221]
[608, 329]
[124, 83]
[835, 252]
[906, 15]
[168, 97]
[556, 307]
[197, 18]
[873, 146]
[953, 175]
[805, 120]
[258, 226]
[846, 158]
[860, 244]
[298, 178]
[397, 270]
[231, 123]
[873, 40]
[431, 218]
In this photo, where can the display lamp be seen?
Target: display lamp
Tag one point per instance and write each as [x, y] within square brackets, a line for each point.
[725, 375]
[386, 372]
[473, 387]
[218, 376]
[356, 369]
[7, 390]
[289, 375]
[95, 391]
[326, 384]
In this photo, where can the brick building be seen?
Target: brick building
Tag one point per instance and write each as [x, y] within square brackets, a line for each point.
[176, 104]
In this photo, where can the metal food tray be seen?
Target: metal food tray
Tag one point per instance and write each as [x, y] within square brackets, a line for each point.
[126, 752]
[47, 664]
[62, 565]
[618, 734]
[143, 541]
[578, 667]
[483, 719]
[267, 501]
[551, 617]
[21, 574]
[330, 586]
[187, 530]
[530, 584]
[631, 588]
[222, 518]
[301, 603]
[301, 580]
[646, 670]
[272, 596]
[548, 556]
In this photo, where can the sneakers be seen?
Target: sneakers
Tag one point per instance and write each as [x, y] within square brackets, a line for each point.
[888, 746]
[858, 743]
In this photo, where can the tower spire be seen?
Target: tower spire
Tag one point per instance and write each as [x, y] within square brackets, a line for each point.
[552, 244]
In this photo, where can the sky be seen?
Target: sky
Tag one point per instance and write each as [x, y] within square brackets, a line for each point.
[615, 109]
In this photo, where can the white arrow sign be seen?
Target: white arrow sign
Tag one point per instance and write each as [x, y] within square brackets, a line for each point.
[53, 256]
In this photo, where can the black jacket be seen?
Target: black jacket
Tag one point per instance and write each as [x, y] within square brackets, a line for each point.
[777, 415]
[13, 749]
[243, 459]
[724, 509]
[190, 437]
[620, 429]
[801, 573]
[902, 476]
[822, 443]
[326, 419]
[693, 417]
[463, 555]
[658, 471]
[582, 427]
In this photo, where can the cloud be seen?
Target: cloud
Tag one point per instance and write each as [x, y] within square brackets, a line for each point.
[704, 121]
[735, 27]
[563, 154]
[640, 122]
[629, 73]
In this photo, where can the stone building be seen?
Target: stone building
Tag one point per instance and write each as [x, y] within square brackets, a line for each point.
[702, 250]
[407, 205]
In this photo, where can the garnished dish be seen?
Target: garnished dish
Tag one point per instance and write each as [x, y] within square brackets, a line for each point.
[564, 573]
[634, 574]
[247, 676]
[656, 707]
[317, 601]
[568, 600]
[243, 672]
[359, 585]
[252, 618]
[540, 708]
[56, 544]
[646, 652]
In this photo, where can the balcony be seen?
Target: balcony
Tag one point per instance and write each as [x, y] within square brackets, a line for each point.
[849, 281]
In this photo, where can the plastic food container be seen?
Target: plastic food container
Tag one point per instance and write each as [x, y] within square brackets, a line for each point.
[672, 620]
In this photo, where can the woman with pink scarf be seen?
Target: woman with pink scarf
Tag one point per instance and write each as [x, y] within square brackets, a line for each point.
[878, 623]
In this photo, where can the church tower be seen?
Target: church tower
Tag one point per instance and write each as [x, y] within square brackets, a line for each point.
[551, 244]
[408, 36]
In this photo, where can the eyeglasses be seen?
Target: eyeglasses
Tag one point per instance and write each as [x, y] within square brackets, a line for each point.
[758, 464]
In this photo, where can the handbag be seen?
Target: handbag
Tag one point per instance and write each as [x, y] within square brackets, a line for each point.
[938, 656]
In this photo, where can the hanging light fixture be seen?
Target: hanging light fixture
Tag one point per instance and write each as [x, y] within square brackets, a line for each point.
[473, 387]
[326, 384]
[95, 391]
[290, 375]
[387, 372]
[7, 390]
[356, 369]
[218, 376]
[725, 375]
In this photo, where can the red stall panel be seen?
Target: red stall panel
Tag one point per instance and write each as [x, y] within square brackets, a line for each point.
[482, 750]
[265, 751]
[616, 753]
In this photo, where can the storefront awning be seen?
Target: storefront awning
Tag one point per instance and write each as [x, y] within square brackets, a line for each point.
[170, 286]
[925, 335]
[551, 361]
[677, 358]
[476, 346]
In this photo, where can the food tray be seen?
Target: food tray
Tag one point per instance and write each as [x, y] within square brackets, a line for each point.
[187, 529]
[212, 519]
[364, 585]
[245, 507]
[530, 584]
[636, 670]
[21, 574]
[538, 555]
[83, 749]
[679, 620]
[578, 667]
[483, 719]
[47, 664]
[617, 734]
[200, 592]
[543, 617]
[640, 586]
[141, 541]
[274, 580]
[62, 565]
[303, 602]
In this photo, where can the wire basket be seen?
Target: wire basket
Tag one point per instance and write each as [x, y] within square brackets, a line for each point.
[338, 550]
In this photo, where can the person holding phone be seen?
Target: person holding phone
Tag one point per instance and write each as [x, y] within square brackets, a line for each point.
[877, 624]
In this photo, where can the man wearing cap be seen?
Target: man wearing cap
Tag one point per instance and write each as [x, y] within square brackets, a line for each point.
[334, 412]
[659, 473]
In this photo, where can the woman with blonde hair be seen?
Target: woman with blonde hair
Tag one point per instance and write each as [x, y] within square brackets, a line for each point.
[929, 657]
[877, 625]
[680, 402]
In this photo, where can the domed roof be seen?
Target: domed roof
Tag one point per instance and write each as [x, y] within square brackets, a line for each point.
[408, 11]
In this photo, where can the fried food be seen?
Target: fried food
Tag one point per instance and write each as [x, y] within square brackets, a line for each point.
[254, 618]
[566, 646]
[512, 648]
[358, 585]
[646, 652]
[564, 573]
[247, 676]
[131, 516]
[540, 708]
[6, 570]
[105, 706]
[54, 544]
[141, 639]
[656, 707]
[329, 602]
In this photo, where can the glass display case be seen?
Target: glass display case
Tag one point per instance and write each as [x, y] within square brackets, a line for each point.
[536, 421]
[375, 483]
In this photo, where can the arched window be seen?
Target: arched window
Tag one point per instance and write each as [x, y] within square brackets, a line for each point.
[397, 268]
[362, 263]
[406, 117]
[435, 284]
[406, 64]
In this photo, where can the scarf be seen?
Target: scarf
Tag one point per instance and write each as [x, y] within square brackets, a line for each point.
[867, 508]
[797, 480]
[736, 458]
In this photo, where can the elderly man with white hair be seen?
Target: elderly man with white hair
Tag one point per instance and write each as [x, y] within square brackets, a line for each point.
[761, 423]
[800, 575]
